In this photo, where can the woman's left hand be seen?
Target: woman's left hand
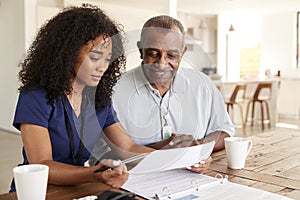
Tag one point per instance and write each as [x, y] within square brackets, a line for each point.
[202, 166]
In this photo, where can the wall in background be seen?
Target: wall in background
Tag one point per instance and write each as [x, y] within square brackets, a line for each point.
[12, 37]
[277, 42]
[278, 49]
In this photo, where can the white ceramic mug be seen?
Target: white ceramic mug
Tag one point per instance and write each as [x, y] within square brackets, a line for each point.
[237, 150]
[31, 181]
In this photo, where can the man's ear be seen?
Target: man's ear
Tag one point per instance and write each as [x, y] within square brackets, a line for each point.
[139, 45]
[184, 50]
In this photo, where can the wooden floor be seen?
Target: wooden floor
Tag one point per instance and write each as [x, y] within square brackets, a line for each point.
[11, 145]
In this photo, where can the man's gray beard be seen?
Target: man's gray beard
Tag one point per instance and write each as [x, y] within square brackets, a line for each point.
[158, 81]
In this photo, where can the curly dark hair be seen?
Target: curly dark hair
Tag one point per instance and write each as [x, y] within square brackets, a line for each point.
[50, 60]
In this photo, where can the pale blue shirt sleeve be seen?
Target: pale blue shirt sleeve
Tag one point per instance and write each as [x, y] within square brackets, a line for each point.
[219, 120]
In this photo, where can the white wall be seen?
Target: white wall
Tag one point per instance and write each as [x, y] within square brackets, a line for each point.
[19, 23]
[278, 49]
[12, 49]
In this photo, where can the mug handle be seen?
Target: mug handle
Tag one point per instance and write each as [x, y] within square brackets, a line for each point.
[249, 147]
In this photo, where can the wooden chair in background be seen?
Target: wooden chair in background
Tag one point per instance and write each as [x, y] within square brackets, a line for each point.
[237, 98]
[263, 100]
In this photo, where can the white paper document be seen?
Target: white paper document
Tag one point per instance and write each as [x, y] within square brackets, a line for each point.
[181, 184]
[166, 159]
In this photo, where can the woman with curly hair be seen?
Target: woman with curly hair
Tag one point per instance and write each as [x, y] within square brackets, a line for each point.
[64, 105]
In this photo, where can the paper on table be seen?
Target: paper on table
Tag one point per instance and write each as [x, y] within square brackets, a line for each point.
[181, 184]
[166, 159]
[177, 181]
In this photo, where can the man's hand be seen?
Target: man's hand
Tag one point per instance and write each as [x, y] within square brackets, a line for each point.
[218, 137]
[175, 141]
[180, 140]
[202, 166]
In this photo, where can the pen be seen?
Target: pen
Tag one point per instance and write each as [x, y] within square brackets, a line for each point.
[128, 160]
[102, 169]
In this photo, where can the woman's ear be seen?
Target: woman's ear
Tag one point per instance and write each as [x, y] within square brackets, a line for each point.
[139, 45]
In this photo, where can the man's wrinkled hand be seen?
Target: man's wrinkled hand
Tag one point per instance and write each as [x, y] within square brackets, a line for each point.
[201, 167]
[180, 140]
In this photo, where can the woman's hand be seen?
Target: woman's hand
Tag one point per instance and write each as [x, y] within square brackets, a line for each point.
[115, 176]
[202, 166]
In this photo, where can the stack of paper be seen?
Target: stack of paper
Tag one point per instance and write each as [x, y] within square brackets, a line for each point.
[180, 184]
[162, 160]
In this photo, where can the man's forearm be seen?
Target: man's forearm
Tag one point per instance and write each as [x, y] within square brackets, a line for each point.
[161, 144]
[182, 140]
[218, 137]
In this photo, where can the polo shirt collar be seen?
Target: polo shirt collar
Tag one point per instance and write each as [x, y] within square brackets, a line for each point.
[141, 83]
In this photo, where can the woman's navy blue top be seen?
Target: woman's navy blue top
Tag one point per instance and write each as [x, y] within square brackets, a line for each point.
[33, 108]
